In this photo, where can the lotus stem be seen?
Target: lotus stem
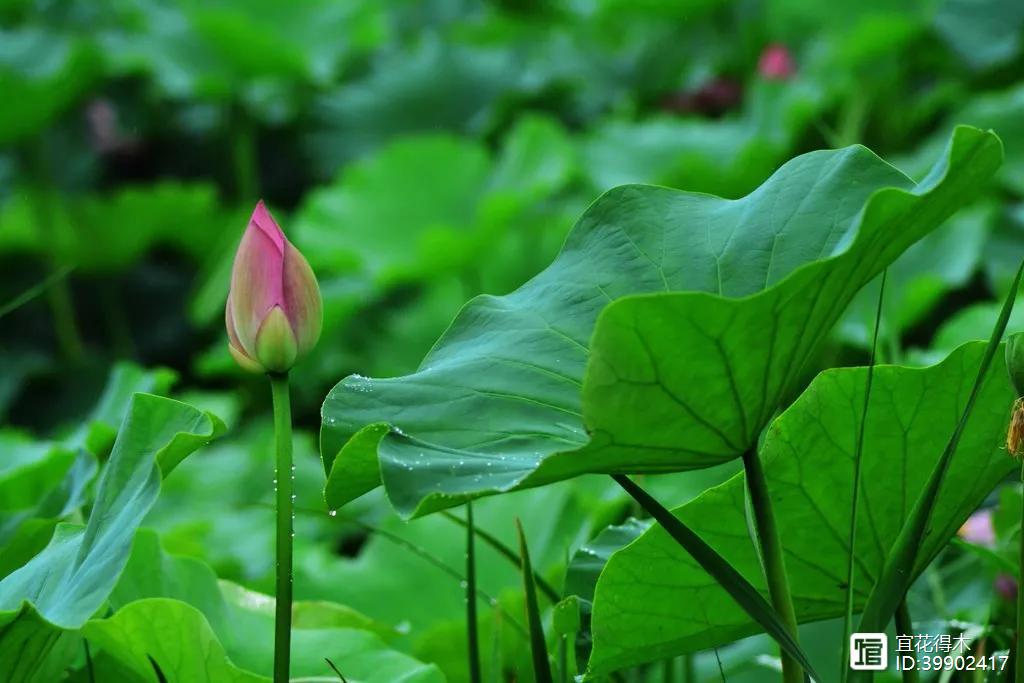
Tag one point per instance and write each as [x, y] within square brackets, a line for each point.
[771, 558]
[472, 625]
[690, 668]
[284, 478]
[495, 543]
[858, 450]
[905, 626]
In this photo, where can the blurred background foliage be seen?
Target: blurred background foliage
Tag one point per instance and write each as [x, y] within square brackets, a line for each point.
[421, 152]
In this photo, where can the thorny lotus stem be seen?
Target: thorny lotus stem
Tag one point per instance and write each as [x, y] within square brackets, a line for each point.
[905, 626]
[285, 525]
[771, 557]
[1018, 664]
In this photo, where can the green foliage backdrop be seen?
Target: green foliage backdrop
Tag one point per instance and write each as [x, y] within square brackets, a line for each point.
[555, 240]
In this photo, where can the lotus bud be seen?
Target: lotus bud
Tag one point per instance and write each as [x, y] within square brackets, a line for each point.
[274, 314]
[776, 63]
[979, 529]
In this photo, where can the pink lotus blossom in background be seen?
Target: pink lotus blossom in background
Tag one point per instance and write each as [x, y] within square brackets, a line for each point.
[1006, 587]
[776, 63]
[978, 529]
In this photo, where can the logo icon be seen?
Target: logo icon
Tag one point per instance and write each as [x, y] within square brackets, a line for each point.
[869, 651]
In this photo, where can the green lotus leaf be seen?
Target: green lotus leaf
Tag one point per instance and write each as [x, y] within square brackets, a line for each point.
[178, 639]
[202, 630]
[653, 601]
[582, 369]
[59, 589]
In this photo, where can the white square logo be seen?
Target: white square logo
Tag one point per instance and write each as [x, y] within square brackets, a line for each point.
[869, 651]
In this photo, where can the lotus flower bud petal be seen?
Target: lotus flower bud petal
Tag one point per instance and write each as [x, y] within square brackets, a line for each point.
[274, 314]
[302, 300]
[235, 347]
[979, 529]
[276, 349]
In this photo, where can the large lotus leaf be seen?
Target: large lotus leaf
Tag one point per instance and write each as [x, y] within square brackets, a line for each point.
[223, 50]
[537, 159]
[263, 38]
[654, 601]
[177, 637]
[42, 483]
[65, 584]
[233, 621]
[90, 232]
[31, 650]
[247, 606]
[511, 394]
[355, 224]
[437, 86]
[446, 222]
[173, 635]
[984, 33]
[152, 573]
[320, 630]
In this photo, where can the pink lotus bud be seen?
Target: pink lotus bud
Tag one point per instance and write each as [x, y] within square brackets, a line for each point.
[978, 529]
[776, 63]
[274, 313]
